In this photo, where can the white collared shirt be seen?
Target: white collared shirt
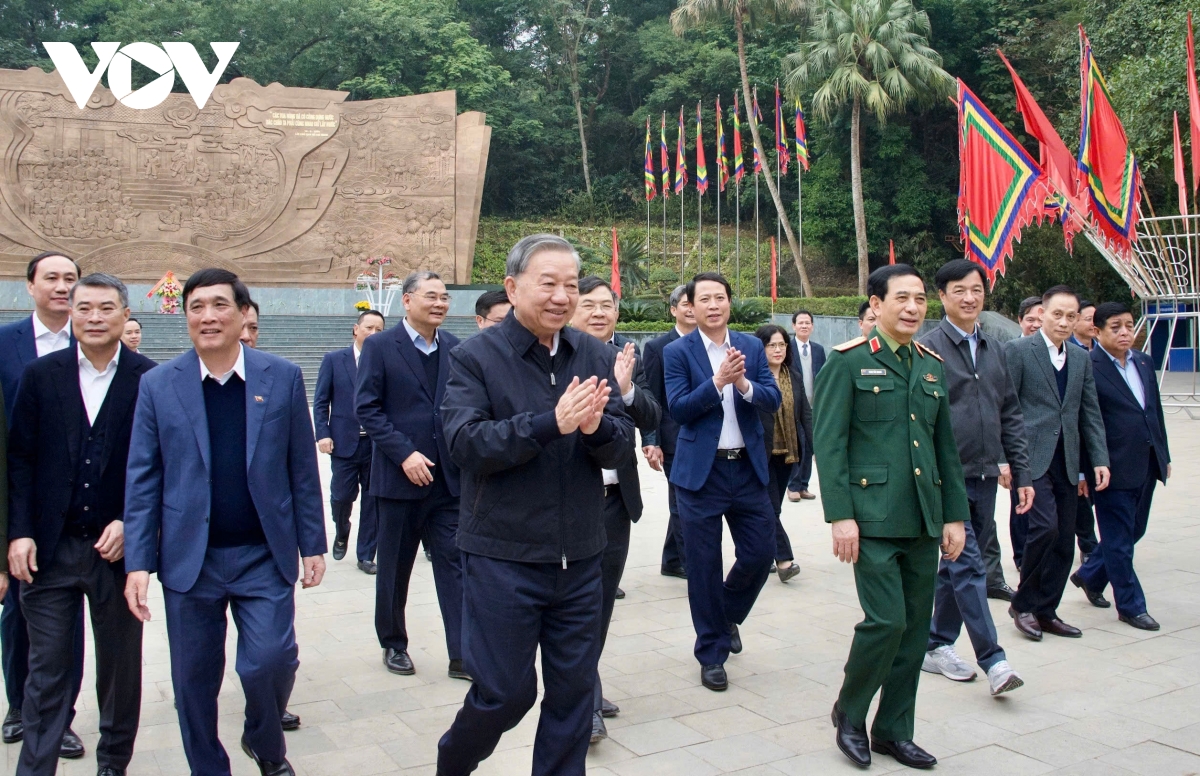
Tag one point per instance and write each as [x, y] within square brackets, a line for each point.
[239, 368]
[93, 385]
[1131, 375]
[47, 341]
[680, 333]
[610, 475]
[1058, 353]
[731, 432]
[972, 339]
[427, 348]
[357, 353]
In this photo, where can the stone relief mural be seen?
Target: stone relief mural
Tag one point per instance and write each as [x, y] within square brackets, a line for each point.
[285, 186]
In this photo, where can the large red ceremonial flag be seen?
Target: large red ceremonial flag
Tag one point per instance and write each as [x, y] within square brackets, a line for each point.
[681, 176]
[891, 252]
[651, 188]
[781, 146]
[701, 164]
[739, 166]
[1110, 172]
[722, 161]
[1001, 189]
[666, 159]
[1193, 104]
[1180, 176]
[616, 266]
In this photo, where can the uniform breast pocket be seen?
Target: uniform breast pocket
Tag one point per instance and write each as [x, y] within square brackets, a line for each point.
[932, 400]
[875, 399]
[869, 493]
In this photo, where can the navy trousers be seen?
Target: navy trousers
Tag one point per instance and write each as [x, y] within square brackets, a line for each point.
[961, 595]
[612, 567]
[246, 581]
[673, 553]
[402, 526]
[779, 469]
[734, 491]
[802, 472]
[1122, 516]
[14, 651]
[349, 475]
[510, 610]
[1085, 524]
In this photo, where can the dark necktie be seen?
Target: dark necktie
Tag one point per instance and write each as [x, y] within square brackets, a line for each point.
[905, 356]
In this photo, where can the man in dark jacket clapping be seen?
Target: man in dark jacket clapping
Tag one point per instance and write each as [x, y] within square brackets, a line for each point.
[531, 418]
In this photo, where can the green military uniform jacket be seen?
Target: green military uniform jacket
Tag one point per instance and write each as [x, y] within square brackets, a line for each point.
[885, 450]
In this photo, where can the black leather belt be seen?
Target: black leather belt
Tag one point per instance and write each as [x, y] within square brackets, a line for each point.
[731, 455]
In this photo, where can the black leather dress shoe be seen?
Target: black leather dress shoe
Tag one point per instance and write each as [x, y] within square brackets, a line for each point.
[608, 709]
[266, 767]
[735, 640]
[108, 770]
[674, 571]
[1001, 592]
[13, 730]
[1095, 599]
[599, 730]
[398, 662]
[620, 594]
[340, 543]
[1027, 623]
[289, 721]
[456, 671]
[71, 747]
[1057, 627]
[788, 573]
[905, 753]
[1141, 621]
[852, 741]
[714, 678]
[368, 567]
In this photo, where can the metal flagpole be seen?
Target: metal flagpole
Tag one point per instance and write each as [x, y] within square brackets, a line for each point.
[681, 247]
[700, 222]
[800, 216]
[737, 234]
[665, 198]
[757, 240]
[778, 187]
[718, 220]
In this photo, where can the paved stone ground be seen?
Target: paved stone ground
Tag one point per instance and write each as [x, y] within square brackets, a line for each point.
[1117, 701]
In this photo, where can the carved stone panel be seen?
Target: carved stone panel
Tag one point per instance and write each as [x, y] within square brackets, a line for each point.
[285, 186]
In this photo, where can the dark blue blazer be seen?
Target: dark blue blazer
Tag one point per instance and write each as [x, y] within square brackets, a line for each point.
[695, 404]
[652, 363]
[333, 402]
[17, 348]
[167, 490]
[1133, 434]
[402, 412]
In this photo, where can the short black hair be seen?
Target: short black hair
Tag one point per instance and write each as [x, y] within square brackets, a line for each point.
[877, 282]
[1028, 304]
[215, 276]
[956, 270]
[1085, 303]
[715, 277]
[131, 319]
[31, 268]
[862, 310]
[365, 313]
[257, 311]
[1053, 291]
[1109, 310]
[798, 313]
[590, 283]
[489, 299]
[769, 330]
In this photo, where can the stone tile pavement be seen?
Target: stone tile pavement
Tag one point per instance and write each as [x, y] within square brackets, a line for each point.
[1117, 701]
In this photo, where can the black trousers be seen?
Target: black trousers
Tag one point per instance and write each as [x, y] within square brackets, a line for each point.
[14, 650]
[612, 566]
[779, 470]
[511, 609]
[1050, 543]
[1018, 528]
[1085, 525]
[349, 475]
[802, 471]
[402, 526]
[674, 553]
[53, 605]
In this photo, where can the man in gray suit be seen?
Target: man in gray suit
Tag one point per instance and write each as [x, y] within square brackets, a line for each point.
[1057, 392]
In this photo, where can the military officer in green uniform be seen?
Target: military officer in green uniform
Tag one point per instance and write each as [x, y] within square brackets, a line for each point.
[892, 486]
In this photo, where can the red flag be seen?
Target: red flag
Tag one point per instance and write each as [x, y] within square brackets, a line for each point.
[891, 252]
[1193, 104]
[616, 267]
[774, 272]
[1180, 176]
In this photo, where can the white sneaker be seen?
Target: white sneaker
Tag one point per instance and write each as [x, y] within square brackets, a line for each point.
[1003, 678]
[945, 661]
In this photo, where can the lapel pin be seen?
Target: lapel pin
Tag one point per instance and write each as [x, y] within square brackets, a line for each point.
[258, 398]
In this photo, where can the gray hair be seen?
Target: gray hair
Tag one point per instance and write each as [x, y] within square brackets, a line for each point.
[527, 247]
[677, 295]
[101, 280]
[415, 279]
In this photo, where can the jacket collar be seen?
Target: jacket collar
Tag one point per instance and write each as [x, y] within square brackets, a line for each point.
[522, 339]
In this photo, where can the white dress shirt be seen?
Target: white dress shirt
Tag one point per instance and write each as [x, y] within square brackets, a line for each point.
[418, 339]
[1131, 375]
[93, 385]
[47, 341]
[357, 353]
[731, 432]
[1058, 353]
[239, 368]
[804, 352]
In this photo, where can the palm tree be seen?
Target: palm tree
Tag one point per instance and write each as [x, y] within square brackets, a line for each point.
[873, 54]
[695, 13]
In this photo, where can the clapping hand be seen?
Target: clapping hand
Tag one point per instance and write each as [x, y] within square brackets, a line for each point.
[626, 362]
[575, 405]
[732, 370]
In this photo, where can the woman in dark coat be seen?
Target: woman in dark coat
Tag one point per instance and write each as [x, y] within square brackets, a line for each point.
[784, 433]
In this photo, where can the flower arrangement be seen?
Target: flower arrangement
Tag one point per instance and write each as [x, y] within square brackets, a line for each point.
[362, 305]
[169, 290]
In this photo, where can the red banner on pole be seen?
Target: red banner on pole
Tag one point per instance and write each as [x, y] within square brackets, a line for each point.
[616, 266]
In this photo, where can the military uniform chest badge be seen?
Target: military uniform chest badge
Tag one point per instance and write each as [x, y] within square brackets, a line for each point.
[929, 378]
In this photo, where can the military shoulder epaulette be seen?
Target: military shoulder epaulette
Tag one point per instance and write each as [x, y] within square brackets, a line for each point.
[851, 344]
[925, 349]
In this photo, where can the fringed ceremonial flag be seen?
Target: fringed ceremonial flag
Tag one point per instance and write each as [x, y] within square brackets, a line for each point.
[701, 165]
[651, 189]
[1193, 104]
[666, 159]
[1001, 189]
[757, 166]
[739, 166]
[681, 176]
[1180, 176]
[801, 137]
[1110, 172]
[722, 162]
[781, 147]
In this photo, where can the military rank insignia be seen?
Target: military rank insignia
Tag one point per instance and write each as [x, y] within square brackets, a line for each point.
[875, 346]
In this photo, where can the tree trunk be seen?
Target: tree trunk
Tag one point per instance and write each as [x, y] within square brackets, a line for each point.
[860, 215]
[805, 285]
[587, 178]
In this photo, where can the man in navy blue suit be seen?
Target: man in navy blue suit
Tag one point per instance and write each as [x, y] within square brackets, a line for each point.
[810, 357]
[401, 382]
[1127, 392]
[223, 498]
[717, 382]
[49, 277]
[340, 436]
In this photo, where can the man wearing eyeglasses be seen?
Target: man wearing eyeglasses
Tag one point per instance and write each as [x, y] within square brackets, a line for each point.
[401, 382]
[491, 308]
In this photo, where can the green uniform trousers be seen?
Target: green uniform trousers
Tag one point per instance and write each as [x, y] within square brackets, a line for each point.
[895, 580]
